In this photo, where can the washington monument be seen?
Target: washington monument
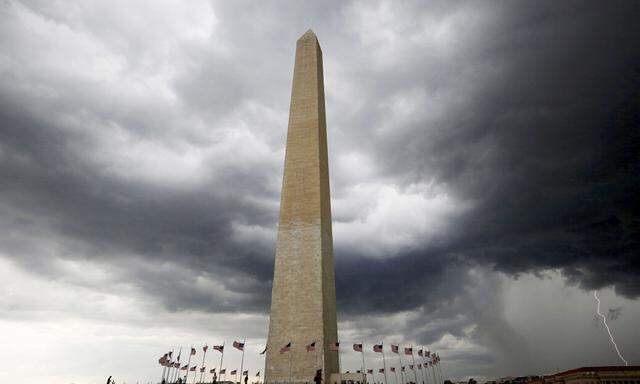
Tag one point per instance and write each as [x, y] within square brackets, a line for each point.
[303, 300]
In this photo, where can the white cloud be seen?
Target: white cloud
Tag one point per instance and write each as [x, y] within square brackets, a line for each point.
[386, 219]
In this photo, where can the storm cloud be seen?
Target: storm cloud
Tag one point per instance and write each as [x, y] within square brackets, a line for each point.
[141, 153]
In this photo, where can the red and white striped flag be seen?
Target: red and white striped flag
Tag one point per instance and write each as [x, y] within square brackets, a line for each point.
[205, 348]
[357, 347]
[393, 369]
[370, 371]
[377, 348]
[410, 366]
[286, 348]
[335, 346]
[184, 368]
[381, 370]
[193, 369]
[420, 352]
[245, 373]
[408, 351]
[219, 348]
[212, 370]
[235, 371]
[238, 345]
[193, 351]
[223, 371]
[394, 348]
[311, 347]
[201, 369]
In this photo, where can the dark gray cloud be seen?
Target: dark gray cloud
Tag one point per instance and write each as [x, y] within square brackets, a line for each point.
[157, 151]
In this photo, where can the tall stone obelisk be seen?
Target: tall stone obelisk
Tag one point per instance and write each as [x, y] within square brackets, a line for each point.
[303, 299]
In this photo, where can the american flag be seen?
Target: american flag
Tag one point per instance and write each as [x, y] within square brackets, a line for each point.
[286, 348]
[212, 370]
[311, 347]
[176, 365]
[163, 359]
[205, 348]
[419, 366]
[377, 348]
[335, 346]
[202, 369]
[193, 369]
[193, 351]
[402, 368]
[394, 348]
[393, 369]
[410, 366]
[223, 371]
[370, 371]
[238, 345]
[235, 371]
[381, 370]
[184, 368]
[420, 352]
[219, 348]
[408, 351]
[245, 373]
[357, 347]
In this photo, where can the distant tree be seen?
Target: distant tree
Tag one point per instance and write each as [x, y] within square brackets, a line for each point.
[472, 381]
[448, 382]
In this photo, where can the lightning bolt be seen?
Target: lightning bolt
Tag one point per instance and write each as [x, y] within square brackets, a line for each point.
[604, 321]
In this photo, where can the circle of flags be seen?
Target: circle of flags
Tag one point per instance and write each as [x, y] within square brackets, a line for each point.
[429, 361]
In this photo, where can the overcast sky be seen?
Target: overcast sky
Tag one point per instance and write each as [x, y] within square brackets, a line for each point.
[484, 164]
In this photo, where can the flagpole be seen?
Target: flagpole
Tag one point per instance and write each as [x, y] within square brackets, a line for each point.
[186, 377]
[244, 344]
[401, 370]
[315, 349]
[222, 357]
[164, 369]
[415, 367]
[290, 353]
[363, 367]
[170, 364]
[384, 364]
[424, 374]
[339, 361]
[175, 378]
[433, 370]
[203, 357]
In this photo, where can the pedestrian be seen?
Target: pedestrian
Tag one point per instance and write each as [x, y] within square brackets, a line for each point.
[318, 378]
[246, 379]
[109, 380]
